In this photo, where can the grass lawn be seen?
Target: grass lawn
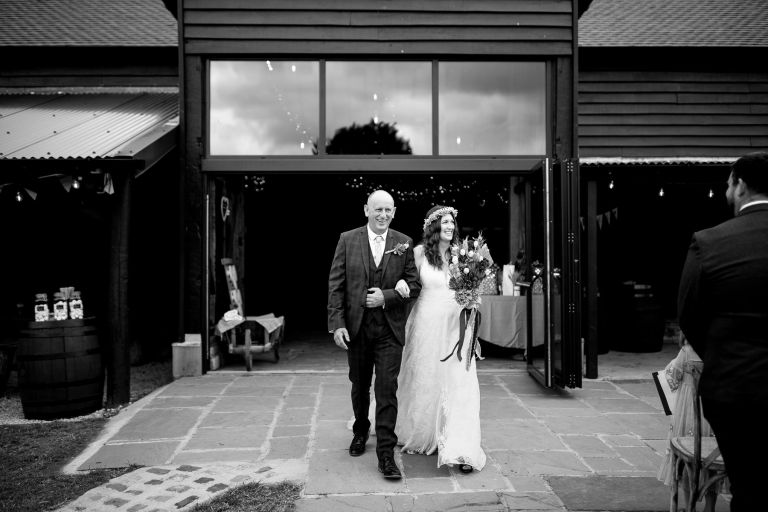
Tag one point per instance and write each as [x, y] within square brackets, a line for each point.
[254, 497]
[33, 455]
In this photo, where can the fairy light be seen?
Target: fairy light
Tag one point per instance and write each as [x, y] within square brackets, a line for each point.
[19, 197]
[76, 183]
[661, 192]
[711, 194]
[610, 185]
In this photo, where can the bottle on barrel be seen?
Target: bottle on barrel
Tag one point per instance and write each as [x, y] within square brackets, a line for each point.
[75, 306]
[42, 314]
[60, 309]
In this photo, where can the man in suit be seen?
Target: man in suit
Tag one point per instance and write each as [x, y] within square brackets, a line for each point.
[367, 318]
[723, 309]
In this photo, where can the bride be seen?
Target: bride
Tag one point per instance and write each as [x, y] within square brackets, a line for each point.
[438, 402]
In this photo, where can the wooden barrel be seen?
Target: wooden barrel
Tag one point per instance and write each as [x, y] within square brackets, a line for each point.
[60, 370]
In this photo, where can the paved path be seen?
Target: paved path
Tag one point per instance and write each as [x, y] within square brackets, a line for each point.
[199, 436]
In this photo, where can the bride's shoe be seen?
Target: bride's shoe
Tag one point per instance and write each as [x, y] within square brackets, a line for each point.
[465, 468]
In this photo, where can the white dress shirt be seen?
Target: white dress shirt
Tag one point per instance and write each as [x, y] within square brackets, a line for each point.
[751, 203]
[372, 243]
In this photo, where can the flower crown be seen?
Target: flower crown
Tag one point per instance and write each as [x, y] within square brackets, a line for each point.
[439, 213]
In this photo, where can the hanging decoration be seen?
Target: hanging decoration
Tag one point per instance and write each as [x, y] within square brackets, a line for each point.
[606, 217]
[226, 209]
[95, 181]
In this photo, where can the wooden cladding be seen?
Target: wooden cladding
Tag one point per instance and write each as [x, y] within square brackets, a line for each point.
[395, 27]
[672, 114]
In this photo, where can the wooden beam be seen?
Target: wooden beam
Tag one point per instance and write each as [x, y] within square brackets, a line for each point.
[119, 364]
[592, 335]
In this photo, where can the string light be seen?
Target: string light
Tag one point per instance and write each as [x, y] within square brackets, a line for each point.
[19, 197]
[76, 183]
[661, 192]
[610, 185]
[711, 193]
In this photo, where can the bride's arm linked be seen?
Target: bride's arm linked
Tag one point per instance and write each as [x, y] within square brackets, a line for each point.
[402, 287]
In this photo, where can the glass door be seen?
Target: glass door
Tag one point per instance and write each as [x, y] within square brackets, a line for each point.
[552, 274]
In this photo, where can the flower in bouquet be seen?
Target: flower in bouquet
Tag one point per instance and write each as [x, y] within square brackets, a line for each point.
[470, 264]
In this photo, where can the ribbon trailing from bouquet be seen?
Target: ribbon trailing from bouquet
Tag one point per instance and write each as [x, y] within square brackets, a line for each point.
[469, 323]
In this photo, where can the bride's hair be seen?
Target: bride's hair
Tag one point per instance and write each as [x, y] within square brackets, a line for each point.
[431, 238]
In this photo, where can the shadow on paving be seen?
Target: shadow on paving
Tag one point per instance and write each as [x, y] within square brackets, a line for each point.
[620, 494]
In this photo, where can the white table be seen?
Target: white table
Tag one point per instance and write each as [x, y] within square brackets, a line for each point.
[504, 320]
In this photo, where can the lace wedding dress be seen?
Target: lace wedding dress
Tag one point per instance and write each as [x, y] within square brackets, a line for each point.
[438, 402]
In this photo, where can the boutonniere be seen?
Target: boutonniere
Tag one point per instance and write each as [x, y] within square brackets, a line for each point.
[399, 249]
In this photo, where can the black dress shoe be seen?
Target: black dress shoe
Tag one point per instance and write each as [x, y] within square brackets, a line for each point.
[465, 468]
[388, 468]
[357, 447]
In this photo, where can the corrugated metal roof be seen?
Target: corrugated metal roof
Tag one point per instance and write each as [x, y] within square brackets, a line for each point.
[703, 23]
[86, 23]
[82, 126]
[693, 160]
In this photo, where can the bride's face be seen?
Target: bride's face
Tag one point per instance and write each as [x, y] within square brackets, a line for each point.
[447, 225]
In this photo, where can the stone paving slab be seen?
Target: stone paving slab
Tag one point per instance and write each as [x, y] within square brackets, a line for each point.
[301, 422]
[179, 487]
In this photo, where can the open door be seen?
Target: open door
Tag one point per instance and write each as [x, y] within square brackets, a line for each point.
[554, 348]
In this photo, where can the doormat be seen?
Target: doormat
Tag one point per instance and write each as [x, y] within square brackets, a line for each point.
[625, 494]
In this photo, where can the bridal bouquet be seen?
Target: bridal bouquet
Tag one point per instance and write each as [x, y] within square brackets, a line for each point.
[470, 265]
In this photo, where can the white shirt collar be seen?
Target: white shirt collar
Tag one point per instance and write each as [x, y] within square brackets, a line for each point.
[753, 203]
[372, 236]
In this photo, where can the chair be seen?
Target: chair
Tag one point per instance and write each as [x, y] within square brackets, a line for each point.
[248, 335]
[697, 459]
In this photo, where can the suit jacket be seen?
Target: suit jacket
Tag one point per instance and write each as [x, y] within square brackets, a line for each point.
[723, 306]
[348, 281]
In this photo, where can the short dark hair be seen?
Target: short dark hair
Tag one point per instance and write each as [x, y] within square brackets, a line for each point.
[752, 169]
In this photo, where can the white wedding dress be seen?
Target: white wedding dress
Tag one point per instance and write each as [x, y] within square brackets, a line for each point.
[438, 402]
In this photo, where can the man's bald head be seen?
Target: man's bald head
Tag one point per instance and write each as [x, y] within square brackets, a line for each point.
[380, 210]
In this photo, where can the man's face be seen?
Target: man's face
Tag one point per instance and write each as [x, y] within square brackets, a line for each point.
[730, 190]
[734, 193]
[380, 211]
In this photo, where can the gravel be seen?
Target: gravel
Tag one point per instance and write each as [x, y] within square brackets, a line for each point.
[144, 379]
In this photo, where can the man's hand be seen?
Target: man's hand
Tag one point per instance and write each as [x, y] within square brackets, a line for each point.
[341, 337]
[402, 288]
[375, 298]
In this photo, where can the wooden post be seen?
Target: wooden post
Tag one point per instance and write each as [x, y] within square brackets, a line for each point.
[517, 212]
[591, 347]
[119, 364]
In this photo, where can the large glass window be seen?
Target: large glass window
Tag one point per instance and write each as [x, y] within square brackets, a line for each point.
[264, 107]
[273, 108]
[379, 108]
[492, 108]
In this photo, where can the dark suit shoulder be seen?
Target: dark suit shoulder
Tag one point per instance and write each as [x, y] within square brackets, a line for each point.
[352, 232]
[398, 235]
[748, 219]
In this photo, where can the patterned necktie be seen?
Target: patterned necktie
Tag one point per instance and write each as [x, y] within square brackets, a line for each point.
[378, 249]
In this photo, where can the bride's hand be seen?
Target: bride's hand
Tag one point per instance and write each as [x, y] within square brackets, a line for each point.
[402, 288]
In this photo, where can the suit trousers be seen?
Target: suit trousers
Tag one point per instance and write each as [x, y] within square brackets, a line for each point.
[375, 347]
[738, 429]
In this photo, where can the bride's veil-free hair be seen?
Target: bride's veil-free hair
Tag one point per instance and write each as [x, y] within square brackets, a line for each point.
[431, 238]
